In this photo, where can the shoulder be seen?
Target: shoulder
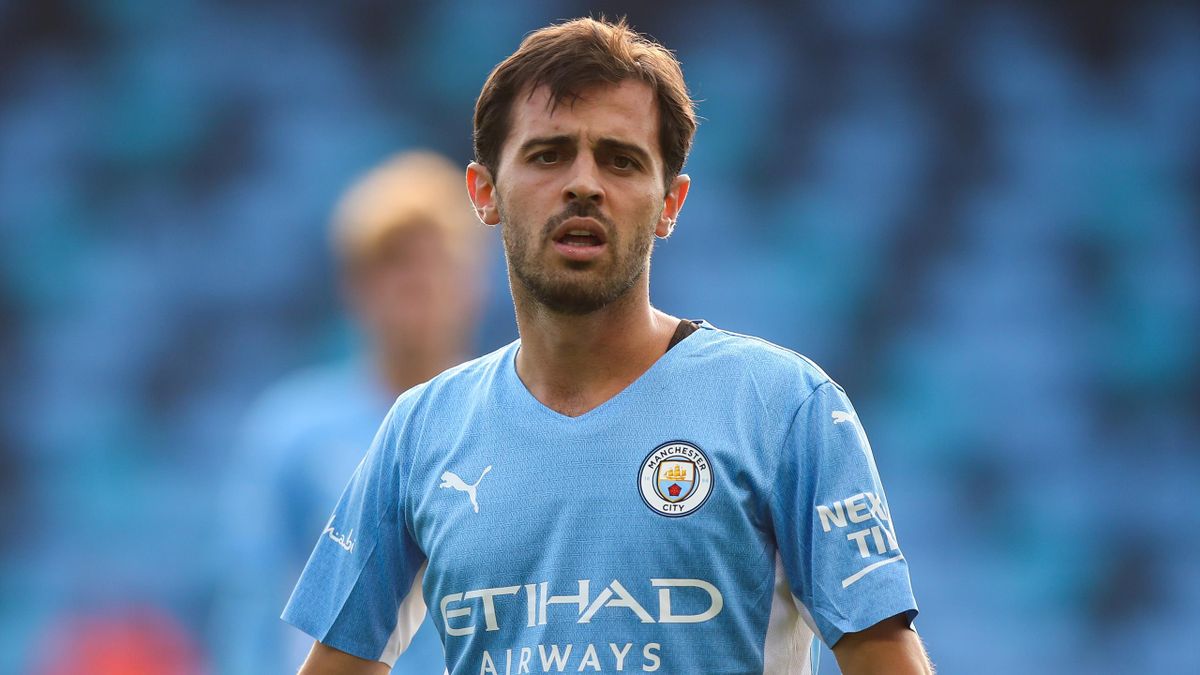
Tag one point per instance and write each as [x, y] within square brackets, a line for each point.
[454, 390]
[305, 387]
[777, 369]
[306, 400]
[440, 404]
[761, 379]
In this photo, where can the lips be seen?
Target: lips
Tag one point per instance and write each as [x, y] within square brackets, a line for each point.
[579, 239]
[579, 232]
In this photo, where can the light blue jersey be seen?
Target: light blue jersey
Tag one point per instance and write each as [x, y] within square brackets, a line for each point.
[301, 442]
[711, 518]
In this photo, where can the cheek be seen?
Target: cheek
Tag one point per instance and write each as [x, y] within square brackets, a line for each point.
[522, 189]
[650, 207]
[508, 206]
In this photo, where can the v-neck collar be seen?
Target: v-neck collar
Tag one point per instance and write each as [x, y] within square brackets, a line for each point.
[646, 380]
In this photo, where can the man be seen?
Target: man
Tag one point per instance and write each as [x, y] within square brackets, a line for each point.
[618, 490]
[409, 251]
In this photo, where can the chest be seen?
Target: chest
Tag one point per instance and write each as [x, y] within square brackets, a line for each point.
[514, 504]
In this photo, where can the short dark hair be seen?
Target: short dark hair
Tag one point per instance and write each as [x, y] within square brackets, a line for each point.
[571, 56]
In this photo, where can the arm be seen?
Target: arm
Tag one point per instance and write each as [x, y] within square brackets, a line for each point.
[357, 590]
[890, 646]
[325, 660]
[838, 544]
[247, 637]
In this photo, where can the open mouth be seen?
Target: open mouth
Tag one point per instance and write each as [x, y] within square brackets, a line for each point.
[579, 238]
[579, 231]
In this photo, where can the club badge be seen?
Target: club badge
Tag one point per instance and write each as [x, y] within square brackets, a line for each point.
[675, 479]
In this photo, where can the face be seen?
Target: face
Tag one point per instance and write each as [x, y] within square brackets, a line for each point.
[413, 294]
[580, 196]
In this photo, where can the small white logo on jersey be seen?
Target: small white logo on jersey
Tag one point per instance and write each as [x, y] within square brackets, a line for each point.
[675, 479]
[840, 416]
[346, 541]
[451, 480]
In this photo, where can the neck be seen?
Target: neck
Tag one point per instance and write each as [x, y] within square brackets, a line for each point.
[574, 363]
[403, 368]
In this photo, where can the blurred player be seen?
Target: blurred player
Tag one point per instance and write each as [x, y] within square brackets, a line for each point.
[409, 251]
[619, 490]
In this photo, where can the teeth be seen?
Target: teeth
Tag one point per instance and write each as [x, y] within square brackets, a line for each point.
[580, 233]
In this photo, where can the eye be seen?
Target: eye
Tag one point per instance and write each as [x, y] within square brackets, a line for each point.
[624, 162]
[546, 157]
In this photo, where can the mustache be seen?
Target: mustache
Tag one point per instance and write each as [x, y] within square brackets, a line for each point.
[577, 209]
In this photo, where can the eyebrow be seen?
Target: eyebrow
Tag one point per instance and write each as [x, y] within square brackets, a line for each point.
[562, 139]
[628, 148]
[605, 142]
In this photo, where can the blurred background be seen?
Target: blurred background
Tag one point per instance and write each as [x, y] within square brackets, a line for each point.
[980, 218]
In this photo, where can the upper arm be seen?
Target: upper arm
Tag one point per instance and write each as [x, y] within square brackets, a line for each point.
[832, 522]
[325, 660]
[890, 646]
[252, 508]
[361, 589]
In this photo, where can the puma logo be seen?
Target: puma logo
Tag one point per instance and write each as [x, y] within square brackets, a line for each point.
[840, 416]
[451, 480]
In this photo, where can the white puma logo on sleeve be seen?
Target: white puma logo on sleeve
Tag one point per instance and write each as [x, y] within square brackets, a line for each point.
[840, 416]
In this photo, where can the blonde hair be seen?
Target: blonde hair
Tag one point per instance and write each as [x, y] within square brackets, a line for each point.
[411, 188]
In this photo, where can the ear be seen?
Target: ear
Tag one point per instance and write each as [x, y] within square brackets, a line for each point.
[483, 193]
[672, 204]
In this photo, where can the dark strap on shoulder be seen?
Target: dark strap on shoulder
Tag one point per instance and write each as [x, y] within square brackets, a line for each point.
[685, 328]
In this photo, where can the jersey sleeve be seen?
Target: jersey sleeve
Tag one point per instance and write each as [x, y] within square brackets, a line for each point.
[835, 534]
[361, 589]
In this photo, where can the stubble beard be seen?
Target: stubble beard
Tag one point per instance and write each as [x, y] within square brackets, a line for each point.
[574, 291]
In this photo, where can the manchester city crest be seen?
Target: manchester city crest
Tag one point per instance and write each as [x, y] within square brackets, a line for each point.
[675, 479]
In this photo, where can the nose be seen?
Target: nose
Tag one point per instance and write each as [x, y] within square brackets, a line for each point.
[583, 183]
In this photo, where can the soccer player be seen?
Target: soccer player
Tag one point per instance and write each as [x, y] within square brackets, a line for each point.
[619, 490]
[408, 250]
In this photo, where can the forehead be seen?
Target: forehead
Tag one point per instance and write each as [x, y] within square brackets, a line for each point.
[626, 111]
